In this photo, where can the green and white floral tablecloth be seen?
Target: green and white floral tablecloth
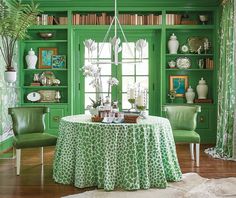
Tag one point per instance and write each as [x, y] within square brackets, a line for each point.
[128, 156]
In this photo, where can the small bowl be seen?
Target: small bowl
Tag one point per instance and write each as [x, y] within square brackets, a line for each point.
[46, 35]
[203, 19]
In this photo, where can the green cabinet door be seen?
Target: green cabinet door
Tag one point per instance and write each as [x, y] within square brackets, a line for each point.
[53, 118]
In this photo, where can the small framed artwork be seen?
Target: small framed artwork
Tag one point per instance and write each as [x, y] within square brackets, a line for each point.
[58, 61]
[179, 84]
[45, 57]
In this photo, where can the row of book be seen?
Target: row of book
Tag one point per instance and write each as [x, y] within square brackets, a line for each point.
[173, 19]
[125, 19]
[46, 19]
[209, 63]
[135, 19]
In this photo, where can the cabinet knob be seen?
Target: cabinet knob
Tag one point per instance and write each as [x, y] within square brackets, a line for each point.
[56, 118]
[201, 119]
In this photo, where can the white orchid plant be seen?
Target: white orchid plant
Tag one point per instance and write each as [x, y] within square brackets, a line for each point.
[95, 73]
[111, 82]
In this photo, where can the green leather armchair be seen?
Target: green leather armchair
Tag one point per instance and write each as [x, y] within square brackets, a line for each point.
[183, 120]
[29, 130]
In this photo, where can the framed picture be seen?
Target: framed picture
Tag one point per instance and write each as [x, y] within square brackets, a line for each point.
[58, 61]
[179, 84]
[45, 57]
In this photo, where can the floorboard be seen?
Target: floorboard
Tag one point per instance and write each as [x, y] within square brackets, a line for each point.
[36, 181]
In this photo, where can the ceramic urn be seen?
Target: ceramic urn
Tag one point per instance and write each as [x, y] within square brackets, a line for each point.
[190, 95]
[173, 44]
[31, 59]
[202, 89]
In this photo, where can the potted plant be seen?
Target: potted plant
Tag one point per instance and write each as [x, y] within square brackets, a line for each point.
[15, 18]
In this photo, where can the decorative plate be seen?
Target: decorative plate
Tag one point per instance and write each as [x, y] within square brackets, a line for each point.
[183, 63]
[184, 49]
[196, 42]
[33, 96]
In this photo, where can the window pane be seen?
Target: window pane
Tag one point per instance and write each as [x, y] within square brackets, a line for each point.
[126, 81]
[128, 69]
[125, 102]
[106, 50]
[126, 52]
[142, 68]
[105, 69]
[105, 84]
[145, 52]
[143, 81]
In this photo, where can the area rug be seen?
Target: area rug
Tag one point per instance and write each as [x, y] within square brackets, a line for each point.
[191, 186]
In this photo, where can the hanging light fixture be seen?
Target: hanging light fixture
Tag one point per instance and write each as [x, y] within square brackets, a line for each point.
[115, 45]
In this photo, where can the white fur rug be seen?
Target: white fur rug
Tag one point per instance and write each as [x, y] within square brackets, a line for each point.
[192, 186]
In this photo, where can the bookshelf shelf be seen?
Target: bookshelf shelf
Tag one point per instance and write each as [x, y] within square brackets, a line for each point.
[37, 27]
[46, 41]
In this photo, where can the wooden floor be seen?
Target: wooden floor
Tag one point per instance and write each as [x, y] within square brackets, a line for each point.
[37, 182]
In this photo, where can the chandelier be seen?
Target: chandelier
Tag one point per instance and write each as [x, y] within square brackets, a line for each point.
[116, 45]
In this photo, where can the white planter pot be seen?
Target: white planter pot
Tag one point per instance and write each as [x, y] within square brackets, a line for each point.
[93, 111]
[10, 76]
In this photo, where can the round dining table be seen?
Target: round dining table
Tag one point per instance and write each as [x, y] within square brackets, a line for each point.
[133, 156]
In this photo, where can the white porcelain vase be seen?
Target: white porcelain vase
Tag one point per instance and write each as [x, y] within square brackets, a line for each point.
[173, 44]
[190, 95]
[31, 59]
[10, 76]
[202, 89]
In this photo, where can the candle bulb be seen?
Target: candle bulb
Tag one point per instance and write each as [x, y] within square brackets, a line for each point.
[132, 93]
[140, 100]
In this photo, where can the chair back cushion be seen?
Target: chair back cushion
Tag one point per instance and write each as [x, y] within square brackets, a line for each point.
[182, 117]
[28, 119]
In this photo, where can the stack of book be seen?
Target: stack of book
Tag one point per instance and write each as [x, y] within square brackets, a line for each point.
[173, 19]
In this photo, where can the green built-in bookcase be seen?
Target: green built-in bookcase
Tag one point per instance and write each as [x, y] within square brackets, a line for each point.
[66, 40]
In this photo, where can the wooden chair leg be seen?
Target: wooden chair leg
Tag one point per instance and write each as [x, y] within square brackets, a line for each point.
[197, 154]
[18, 156]
[42, 155]
[192, 150]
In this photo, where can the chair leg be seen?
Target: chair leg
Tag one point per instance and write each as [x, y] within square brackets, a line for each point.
[14, 154]
[197, 154]
[42, 155]
[18, 156]
[192, 150]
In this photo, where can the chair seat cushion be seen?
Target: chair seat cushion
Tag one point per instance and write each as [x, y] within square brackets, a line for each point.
[185, 136]
[34, 140]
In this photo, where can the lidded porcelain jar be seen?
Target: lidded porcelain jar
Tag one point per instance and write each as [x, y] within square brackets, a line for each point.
[190, 95]
[31, 59]
[173, 44]
[202, 89]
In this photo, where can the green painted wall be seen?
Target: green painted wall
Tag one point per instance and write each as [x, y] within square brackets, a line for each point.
[67, 40]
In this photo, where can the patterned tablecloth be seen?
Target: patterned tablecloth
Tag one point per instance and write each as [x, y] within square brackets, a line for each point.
[128, 156]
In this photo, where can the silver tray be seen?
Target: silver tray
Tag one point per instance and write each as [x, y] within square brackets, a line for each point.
[195, 42]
